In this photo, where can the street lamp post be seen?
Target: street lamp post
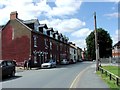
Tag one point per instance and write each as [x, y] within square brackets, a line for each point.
[96, 42]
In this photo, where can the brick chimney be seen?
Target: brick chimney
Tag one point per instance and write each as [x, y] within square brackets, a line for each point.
[13, 15]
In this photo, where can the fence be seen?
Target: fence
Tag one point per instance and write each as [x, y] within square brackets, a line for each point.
[110, 75]
[110, 60]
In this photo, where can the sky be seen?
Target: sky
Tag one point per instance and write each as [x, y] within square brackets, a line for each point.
[72, 18]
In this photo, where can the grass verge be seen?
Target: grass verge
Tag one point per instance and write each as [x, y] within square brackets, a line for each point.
[111, 83]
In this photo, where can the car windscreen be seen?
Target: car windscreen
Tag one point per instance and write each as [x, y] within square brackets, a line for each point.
[47, 61]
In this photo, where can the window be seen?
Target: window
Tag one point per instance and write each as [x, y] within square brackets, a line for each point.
[36, 27]
[75, 57]
[4, 63]
[51, 45]
[35, 59]
[74, 52]
[9, 63]
[50, 56]
[44, 31]
[60, 47]
[46, 46]
[35, 40]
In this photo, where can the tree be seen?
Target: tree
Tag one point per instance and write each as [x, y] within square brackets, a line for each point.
[104, 43]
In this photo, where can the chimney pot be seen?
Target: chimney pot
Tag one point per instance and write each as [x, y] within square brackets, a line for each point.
[13, 15]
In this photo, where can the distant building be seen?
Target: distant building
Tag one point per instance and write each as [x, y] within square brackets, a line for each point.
[116, 50]
[79, 53]
[73, 51]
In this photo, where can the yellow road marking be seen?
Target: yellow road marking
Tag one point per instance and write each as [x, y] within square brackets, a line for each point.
[77, 79]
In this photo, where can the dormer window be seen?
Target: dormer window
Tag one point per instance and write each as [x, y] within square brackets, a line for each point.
[51, 34]
[56, 36]
[46, 46]
[61, 38]
[36, 27]
[44, 31]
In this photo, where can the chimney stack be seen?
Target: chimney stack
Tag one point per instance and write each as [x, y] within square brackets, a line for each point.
[13, 15]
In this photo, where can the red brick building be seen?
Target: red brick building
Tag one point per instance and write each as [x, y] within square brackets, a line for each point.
[22, 40]
[0, 43]
[116, 50]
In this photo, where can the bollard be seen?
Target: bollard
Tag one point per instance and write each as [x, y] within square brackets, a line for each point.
[106, 73]
[102, 71]
[110, 77]
[117, 81]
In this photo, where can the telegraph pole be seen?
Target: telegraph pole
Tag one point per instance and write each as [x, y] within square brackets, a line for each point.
[96, 42]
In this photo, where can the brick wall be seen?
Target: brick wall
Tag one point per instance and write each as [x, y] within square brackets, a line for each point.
[0, 46]
[16, 41]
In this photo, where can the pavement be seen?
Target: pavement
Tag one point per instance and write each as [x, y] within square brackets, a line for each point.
[92, 80]
[21, 69]
[85, 79]
[89, 79]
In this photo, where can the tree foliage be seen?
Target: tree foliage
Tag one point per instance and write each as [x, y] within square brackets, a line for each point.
[104, 43]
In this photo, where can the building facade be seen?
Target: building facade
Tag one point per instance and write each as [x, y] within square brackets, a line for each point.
[0, 43]
[116, 50]
[79, 54]
[73, 52]
[21, 40]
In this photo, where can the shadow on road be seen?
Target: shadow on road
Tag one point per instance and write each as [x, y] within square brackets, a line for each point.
[8, 78]
[68, 65]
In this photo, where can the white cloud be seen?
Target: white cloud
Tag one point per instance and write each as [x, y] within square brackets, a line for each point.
[66, 25]
[29, 9]
[65, 7]
[82, 32]
[116, 1]
[114, 15]
[116, 37]
[80, 36]
[80, 43]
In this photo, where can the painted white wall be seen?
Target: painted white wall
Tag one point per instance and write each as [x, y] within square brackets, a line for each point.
[72, 54]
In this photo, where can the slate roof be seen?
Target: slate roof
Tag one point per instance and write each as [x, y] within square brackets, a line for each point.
[117, 44]
[1, 27]
[30, 21]
[50, 29]
[43, 25]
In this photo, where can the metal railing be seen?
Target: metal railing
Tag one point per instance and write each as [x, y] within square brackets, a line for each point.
[110, 75]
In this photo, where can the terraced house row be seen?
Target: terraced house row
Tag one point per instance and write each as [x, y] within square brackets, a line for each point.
[24, 39]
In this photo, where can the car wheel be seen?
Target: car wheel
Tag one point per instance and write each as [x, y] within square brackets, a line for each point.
[13, 73]
[51, 66]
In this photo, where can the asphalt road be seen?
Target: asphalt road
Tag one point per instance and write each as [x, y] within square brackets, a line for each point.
[64, 76]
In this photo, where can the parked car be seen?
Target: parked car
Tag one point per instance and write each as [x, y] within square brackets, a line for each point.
[72, 61]
[49, 64]
[7, 68]
[64, 61]
[79, 60]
